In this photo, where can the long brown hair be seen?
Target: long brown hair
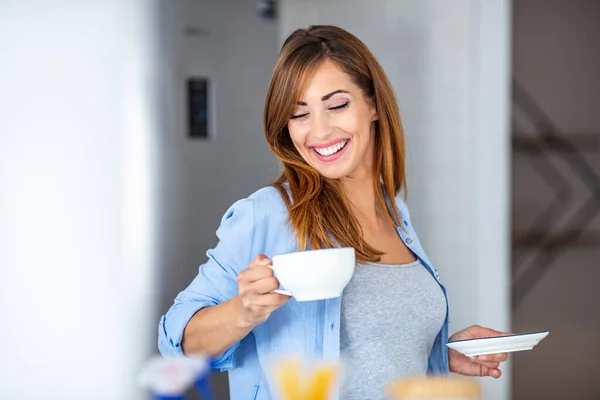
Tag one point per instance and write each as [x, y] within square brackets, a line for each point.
[319, 212]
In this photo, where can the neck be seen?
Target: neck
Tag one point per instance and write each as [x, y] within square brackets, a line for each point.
[361, 195]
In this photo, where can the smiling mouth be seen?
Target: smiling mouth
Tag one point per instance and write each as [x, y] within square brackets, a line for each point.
[331, 150]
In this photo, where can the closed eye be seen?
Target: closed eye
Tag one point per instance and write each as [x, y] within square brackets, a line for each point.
[298, 116]
[340, 106]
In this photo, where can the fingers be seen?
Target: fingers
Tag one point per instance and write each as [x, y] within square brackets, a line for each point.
[258, 281]
[257, 270]
[482, 370]
[489, 364]
[272, 301]
[487, 371]
[491, 361]
[255, 286]
[497, 358]
[478, 331]
[255, 274]
[264, 286]
[473, 369]
[489, 368]
[493, 372]
[260, 260]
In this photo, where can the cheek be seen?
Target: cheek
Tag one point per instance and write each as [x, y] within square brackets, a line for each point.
[352, 124]
[298, 137]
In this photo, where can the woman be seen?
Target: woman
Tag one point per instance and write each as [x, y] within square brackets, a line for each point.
[332, 119]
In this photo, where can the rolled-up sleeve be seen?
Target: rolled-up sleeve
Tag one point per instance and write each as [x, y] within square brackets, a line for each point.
[215, 282]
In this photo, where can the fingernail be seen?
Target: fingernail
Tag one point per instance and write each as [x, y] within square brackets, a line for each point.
[483, 358]
[473, 358]
[264, 261]
[496, 373]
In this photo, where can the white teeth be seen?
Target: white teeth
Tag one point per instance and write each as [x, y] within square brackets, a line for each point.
[327, 151]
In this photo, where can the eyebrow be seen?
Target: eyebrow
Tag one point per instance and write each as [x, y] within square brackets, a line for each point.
[326, 97]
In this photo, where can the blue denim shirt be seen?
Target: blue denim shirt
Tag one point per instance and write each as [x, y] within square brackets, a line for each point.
[258, 225]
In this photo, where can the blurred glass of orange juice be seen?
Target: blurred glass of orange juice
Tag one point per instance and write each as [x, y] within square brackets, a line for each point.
[434, 388]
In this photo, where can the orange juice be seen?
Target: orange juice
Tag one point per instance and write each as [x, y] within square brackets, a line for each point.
[440, 388]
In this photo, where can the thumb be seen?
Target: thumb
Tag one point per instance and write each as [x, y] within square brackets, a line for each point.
[477, 331]
[260, 261]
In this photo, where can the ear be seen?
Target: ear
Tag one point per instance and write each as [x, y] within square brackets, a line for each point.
[374, 114]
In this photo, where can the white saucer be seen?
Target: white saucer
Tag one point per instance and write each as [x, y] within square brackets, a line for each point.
[499, 344]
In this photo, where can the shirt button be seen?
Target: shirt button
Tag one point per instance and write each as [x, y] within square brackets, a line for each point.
[409, 240]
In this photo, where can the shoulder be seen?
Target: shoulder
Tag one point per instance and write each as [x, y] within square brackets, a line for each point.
[263, 200]
[257, 208]
[251, 223]
[258, 224]
[267, 199]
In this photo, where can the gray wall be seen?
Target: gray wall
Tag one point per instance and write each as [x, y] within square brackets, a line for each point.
[199, 180]
[449, 64]
[556, 58]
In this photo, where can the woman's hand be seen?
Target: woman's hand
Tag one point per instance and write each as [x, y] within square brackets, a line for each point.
[479, 365]
[255, 286]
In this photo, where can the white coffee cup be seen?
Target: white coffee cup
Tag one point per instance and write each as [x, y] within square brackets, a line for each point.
[314, 274]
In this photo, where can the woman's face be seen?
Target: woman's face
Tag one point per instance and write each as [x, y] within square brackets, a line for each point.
[332, 126]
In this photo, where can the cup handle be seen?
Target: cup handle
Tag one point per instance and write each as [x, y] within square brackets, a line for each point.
[283, 292]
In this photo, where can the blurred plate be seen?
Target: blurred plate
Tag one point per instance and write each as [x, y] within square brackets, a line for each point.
[498, 344]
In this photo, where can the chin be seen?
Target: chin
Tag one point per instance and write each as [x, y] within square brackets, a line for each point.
[333, 174]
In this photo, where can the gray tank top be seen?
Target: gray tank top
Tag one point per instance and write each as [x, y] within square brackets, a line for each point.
[391, 315]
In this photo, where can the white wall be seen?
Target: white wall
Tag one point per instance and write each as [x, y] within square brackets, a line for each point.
[76, 237]
[449, 64]
[198, 179]
[556, 60]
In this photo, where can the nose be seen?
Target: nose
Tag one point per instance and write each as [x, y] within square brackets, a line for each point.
[322, 129]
